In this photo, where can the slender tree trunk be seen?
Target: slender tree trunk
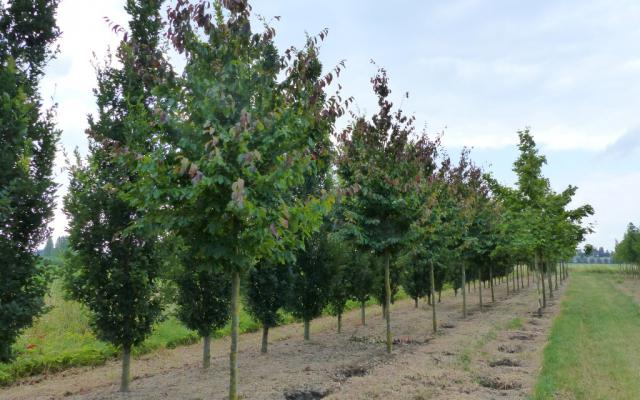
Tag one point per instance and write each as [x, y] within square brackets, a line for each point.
[517, 276]
[439, 296]
[464, 296]
[480, 287]
[493, 298]
[507, 283]
[387, 299]
[433, 301]
[542, 284]
[474, 285]
[535, 268]
[363, 319]
[513, 279]
[206, 352]
[307, 329]
[429, 299]
[528, 284]
[126, 368]
[549, 279]
[415, 302]
[522, 276]
[340, 323]
[557, 265]
[235, 320]
[265, 340]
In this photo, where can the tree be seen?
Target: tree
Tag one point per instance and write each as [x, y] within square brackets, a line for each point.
[416, 280]
[267, 290]
[312, 278]
[48, 248]
[203, 298]
[241, 128]
[381, 160]
[113, 269]
[360, 274]
[28, 139]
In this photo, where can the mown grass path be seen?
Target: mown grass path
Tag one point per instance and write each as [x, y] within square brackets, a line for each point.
[594, 345]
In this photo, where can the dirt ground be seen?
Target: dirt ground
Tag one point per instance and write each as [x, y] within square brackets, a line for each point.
[491, 354]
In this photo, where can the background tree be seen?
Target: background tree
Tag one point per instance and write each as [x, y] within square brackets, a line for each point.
[360, 276]
[48, 248]
[266, 291]
[28, 140]
[340, 290]
[312, 277]
[381, 159]
[203, 299]
[111, 269]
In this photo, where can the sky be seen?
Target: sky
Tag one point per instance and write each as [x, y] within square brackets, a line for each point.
[476, 71]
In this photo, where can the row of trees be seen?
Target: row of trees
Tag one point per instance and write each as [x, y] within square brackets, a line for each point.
[225, 176]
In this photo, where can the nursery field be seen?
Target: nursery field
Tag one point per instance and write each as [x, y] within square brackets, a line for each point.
[62, 339]
[492, 353]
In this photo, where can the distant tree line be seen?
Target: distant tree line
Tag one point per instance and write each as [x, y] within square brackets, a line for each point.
[593, 256]
[55, 249]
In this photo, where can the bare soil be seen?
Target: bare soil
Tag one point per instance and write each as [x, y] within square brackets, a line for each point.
[491, 354]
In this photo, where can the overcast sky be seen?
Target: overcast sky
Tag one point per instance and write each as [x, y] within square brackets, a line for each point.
[477, 70]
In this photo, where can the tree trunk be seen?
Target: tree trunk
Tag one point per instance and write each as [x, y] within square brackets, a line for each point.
[513, 279]
[541, 281]
[480, 287]
[233, 354]
[439, 296]
[557, 265]
[433, 301]
[126, 367]
[517, 276]
[549, 279]
[429, 299]
[363, 319]
[206, 352]
[535, 268]
[265, 340]
[387, 299]
[340, 323]
[307, 328]
[528, 275]
[464, 296]
[415, 302]
[522, 276]
[507, 283]
[5, 352]
[493, 298]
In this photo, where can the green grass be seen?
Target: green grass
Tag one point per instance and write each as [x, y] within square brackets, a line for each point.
[62, 338]
[596, 268]
[594, 345]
